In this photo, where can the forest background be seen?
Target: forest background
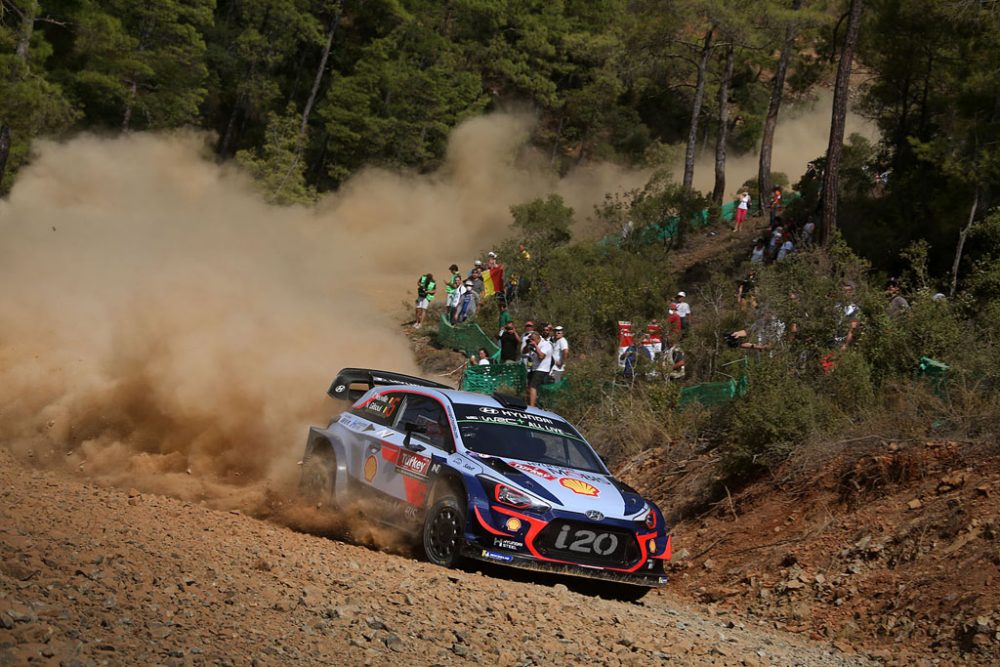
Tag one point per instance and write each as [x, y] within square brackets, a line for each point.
[305, 93]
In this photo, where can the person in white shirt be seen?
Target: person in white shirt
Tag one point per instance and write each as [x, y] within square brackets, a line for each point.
[684, 311]
[560, 352]
[541, 356]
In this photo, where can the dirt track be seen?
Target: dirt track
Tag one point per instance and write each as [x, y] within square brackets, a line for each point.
[95, 575]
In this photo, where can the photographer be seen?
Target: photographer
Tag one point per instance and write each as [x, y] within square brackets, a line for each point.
[426, 289]
[540, 351]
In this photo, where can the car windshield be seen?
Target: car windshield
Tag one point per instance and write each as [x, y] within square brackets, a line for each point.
[523, 436]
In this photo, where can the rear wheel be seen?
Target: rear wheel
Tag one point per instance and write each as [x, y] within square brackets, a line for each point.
[444, 527]
[317, 482]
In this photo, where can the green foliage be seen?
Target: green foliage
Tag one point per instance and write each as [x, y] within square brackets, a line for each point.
[278, 166]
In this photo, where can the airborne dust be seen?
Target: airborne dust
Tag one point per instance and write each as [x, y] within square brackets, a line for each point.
[162, 328]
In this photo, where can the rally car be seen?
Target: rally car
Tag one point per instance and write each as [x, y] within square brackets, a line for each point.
[483, 477]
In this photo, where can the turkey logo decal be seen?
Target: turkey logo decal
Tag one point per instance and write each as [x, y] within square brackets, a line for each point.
[579, 486]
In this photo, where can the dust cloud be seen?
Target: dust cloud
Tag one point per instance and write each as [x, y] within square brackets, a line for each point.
[162, 328]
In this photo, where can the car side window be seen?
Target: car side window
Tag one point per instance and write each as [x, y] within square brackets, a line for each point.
[382, 409]
[427, 412]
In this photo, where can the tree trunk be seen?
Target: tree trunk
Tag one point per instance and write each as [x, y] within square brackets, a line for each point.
[720, 145]
[227, 137]
[334, 22]
[4, 149]
[127, 120]
[699, 97]
[771, 120]
[961, 243]
[831, 175]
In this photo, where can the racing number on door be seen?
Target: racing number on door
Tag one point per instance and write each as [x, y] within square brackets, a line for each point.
[587, 541]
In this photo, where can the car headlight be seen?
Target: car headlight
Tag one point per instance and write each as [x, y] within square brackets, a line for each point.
[647, 517]
[511, 497]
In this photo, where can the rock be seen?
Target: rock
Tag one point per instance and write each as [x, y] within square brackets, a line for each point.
[460, 650]
[134, 493]
[914, 504]
[794, 585]
[394, 643]
[708, 564]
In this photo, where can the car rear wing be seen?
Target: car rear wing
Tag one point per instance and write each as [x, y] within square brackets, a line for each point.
[352, 383]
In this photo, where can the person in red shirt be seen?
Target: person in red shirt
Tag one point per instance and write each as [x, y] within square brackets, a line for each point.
[775, 206]
[674, 322]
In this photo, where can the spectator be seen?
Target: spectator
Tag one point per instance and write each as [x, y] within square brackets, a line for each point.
[758, 252]
[674, 361]
[786, 248]
[631, 356]
[848, 316]
[560, 353]
[476, 266]
[897, 302]
[674, 322]
[525, 255]
[426, 289]
[452, 287]
[547, 331]
[541, 365]
[504, 318]
[808, 230]
[529, 328]
[772, 247]
[742, 206]
[775, 206]
[510, 344]
[683, 311]
[481, 358]
[468, 302]
[491, 260]
[764, 334]
[477, 283]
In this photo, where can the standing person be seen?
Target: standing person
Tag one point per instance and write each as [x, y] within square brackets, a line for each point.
[426, 289]
[529, 328]
[453, 289]
[476, 266]
[468, 302]
[481, 358]
[510, 344]
[684, 311]
[560, 352]
[674, 321]
[742, 206]
[504, 314]
[541, 356]
[775, 206]
[477, 283]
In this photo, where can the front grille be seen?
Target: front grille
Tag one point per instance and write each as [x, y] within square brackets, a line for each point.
[588, 544]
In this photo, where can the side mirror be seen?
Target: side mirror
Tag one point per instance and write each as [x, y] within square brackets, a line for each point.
[412, 428]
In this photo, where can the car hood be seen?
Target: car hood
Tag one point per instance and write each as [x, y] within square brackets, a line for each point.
[571, 489]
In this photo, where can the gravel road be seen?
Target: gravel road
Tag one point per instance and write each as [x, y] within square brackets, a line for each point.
[93, 576]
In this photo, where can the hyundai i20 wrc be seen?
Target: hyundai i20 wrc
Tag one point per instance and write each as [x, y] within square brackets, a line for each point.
[483, 477]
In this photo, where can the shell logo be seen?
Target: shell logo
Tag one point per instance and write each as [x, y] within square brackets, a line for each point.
[579, 486]
[371, 467]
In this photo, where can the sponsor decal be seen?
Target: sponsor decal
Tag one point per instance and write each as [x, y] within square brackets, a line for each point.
[413, 465]
[371, 467]
[532, 470]
[384, 406]
[662, 580]
[517, 414]
[507, 544]
[594, 515]
[497, 556]
[513, 524]
[579, 486]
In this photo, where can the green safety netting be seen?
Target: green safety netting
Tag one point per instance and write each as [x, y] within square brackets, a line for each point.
[710, 394]
[466, 337]
[555, 387]
[935, 371]
[488, 379]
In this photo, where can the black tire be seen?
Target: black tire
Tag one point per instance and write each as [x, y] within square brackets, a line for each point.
[317, 482]
[444, 528]
[627, 593]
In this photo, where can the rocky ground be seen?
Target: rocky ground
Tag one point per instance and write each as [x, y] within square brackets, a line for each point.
[91, 575]
[891, 548]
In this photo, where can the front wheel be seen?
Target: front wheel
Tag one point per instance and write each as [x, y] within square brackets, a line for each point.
[444, 527]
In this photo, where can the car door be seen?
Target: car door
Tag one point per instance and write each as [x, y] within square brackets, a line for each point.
[379, 412]
[408, 468]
